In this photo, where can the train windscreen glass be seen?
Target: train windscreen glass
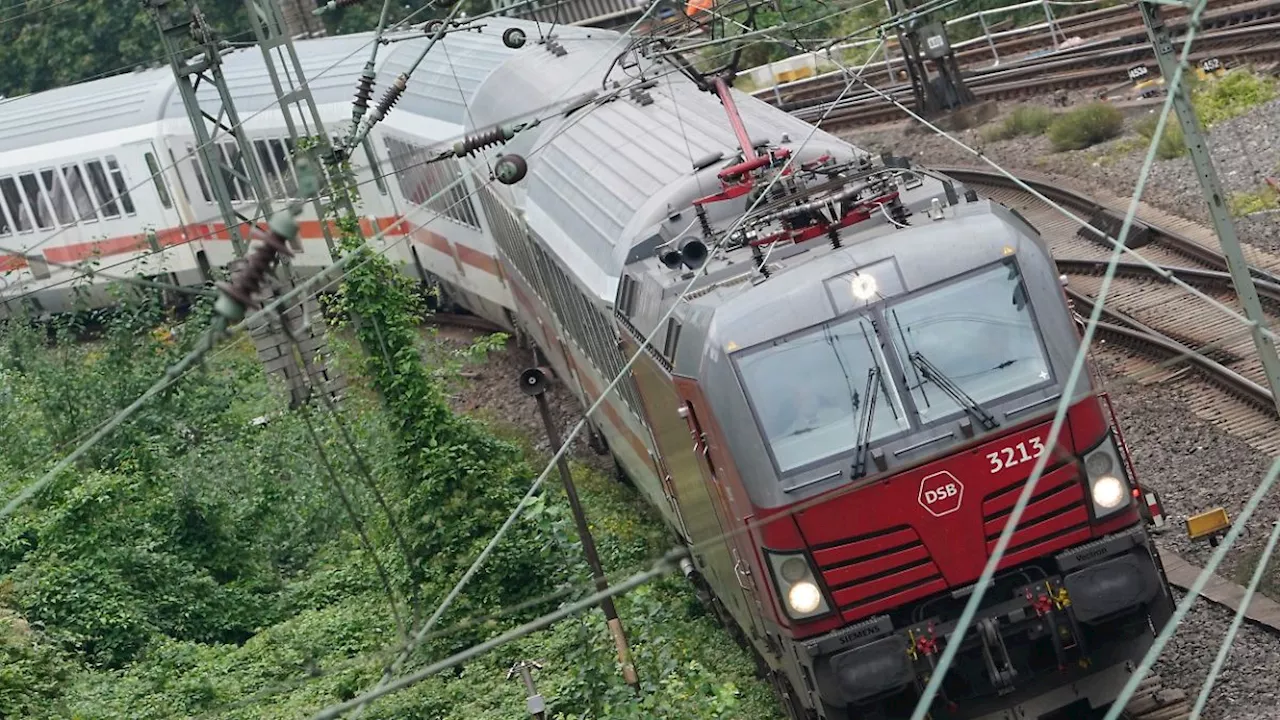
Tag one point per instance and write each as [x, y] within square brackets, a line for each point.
[977, 334]
[809, 392]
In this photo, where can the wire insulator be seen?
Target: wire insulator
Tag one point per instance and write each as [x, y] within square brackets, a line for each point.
[239, 293]
[486, 139]
[833, 234]
[364, 91]
[390, 98]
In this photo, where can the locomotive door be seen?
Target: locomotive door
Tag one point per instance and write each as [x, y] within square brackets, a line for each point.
[740, 590]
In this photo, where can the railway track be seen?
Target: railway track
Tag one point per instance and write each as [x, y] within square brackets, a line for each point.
[1148, 318]
[1238, 32]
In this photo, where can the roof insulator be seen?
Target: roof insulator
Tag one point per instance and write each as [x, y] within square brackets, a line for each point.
[514, 38]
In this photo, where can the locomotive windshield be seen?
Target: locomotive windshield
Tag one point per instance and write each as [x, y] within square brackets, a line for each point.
[810, 392]
[952, 347]
[976, 334]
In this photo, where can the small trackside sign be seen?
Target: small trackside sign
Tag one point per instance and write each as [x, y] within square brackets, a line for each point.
[941, 493]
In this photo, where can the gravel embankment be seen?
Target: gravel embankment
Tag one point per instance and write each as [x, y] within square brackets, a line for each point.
[1194, 465]
[1244, 150]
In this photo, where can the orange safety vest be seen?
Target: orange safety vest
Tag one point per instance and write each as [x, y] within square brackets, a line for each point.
[696, 6]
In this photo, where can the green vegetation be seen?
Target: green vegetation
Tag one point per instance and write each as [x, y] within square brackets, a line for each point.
[1172, 142]
[198, 563]
[1085, 126]
[1247, 203]
[1025, 120]
[1220, 99]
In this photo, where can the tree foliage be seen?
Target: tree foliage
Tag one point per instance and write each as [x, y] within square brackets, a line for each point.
[50, 43]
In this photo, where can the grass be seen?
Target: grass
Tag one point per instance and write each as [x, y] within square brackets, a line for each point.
[1026, 120]
[1172, 142]
[1230, 96]
[1085, 126]
[1247, 203]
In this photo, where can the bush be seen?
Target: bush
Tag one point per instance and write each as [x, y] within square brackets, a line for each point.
[1247, 203]
[1086, 126]
[1172, 143]
[1231, 96]
[1026, 120]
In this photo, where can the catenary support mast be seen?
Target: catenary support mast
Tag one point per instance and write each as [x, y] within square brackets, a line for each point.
[1214, 196]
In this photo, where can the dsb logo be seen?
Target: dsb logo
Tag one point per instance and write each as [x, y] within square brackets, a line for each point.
[946, 491]
[941, 493]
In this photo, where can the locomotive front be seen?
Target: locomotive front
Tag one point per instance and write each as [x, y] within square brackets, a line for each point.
[884, 402]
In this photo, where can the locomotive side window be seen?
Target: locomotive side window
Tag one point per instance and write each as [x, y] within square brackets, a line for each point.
[13, 201]
[36, 201]
[122, 190]
[154, 168]
[810, 392]
[977, 334]
[57, 196]
[101, 190]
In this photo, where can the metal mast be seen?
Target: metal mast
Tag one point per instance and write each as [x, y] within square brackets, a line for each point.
[919, 36]
[1214, 196]
[196, 58]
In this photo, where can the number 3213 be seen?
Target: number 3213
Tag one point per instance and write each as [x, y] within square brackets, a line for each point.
[1015, 454]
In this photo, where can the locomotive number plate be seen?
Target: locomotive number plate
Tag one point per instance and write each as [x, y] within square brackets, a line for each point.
[1017, 454]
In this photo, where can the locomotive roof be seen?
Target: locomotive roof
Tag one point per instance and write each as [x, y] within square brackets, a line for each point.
[438, 89]
[597, 180]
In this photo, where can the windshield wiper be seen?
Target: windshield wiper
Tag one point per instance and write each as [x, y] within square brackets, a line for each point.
[866, 419]
[948, 386]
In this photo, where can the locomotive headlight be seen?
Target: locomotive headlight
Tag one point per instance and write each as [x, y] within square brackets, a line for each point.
[798, 590]
[1108, 492]
[1108, 486]
[804, 597]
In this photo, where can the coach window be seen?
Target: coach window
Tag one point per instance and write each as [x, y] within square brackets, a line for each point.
[79, 193]
[5, 227]
[281, 155]
[13, 200]
[57, 195]
[35, 201]
[234, 188]
[195, 165]
[101, 190]
[117, 177]
[158, 178]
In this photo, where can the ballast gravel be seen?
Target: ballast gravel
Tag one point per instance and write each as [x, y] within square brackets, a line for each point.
[1244, 149]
